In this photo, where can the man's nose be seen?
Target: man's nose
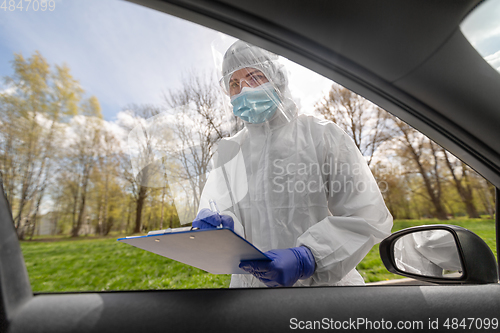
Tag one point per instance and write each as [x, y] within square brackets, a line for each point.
[244, 83]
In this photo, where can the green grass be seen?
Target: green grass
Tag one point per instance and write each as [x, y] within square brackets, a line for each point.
[105, 264]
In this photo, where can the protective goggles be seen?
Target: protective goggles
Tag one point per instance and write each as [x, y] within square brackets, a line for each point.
[246, 77]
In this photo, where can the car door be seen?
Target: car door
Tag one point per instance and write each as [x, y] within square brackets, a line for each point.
[403, 65]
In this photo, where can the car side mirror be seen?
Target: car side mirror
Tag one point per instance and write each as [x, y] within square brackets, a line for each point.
[439, 254]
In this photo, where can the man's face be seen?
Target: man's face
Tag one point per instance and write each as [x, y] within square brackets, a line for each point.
[245, 77]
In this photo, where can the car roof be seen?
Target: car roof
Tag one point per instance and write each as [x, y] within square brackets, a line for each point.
[409, 57]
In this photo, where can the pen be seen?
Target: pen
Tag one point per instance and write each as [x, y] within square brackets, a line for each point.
[213, 208]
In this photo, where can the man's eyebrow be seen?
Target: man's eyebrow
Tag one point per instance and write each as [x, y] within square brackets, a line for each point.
[253, 72]
[248, 74]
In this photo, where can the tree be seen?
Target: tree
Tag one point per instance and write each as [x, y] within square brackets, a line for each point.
[419, 151]
[83, 154]
[394, 188]
[139, 181]
[486, 193]
[32, 108]
[198, 127]
[364, 122]
[462, 184]
[107, 165]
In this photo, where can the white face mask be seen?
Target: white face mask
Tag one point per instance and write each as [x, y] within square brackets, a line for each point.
[256, 105]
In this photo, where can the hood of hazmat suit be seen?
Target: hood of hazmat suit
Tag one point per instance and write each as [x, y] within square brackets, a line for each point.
[252, 60]
[295, 180]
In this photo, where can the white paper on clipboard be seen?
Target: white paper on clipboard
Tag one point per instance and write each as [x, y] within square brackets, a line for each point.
[217, 251]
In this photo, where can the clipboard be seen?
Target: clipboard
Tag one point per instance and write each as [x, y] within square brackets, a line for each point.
[217, 251]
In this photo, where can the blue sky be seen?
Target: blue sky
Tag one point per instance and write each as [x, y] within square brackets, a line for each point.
[120, 52]
[124, 53]
[482, 29]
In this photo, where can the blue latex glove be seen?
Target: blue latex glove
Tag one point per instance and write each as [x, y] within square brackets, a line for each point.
[285, 268]
[206, 219]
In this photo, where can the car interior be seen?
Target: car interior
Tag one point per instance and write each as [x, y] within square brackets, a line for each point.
[408, 57]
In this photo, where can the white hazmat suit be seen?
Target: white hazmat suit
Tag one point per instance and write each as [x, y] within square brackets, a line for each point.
[297, 180]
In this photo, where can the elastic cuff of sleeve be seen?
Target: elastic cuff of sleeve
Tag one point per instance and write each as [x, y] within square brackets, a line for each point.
[306, 262]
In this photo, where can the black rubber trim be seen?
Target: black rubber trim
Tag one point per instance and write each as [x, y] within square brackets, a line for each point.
[497, 225]
[15, 288]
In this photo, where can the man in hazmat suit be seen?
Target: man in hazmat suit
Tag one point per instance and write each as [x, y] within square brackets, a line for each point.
[298, 187]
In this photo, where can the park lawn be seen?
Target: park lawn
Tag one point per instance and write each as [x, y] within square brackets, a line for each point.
[105, 264]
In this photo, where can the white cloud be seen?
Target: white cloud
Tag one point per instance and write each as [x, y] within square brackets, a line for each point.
[306, 86]
[482, 27]
[128, 120]
[8, 91]
[73, 131]
[494, 60]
